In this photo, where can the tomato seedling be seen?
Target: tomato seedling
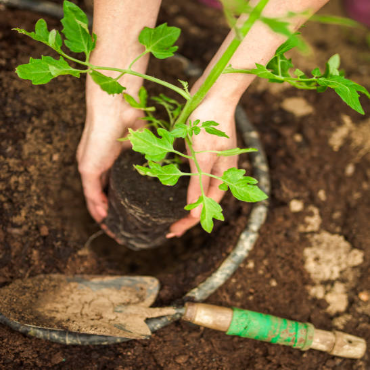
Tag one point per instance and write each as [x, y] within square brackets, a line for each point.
[156, 143]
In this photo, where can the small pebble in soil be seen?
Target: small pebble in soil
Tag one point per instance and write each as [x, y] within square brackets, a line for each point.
[298, 106]
[44, 231]
[349, 170]
[273, 282]
[296, 205]
[364, 296]
[298, 138]
[322, 195]
[181, 359]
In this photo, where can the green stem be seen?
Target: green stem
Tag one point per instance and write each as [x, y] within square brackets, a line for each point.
[73, 59]
[182, 154]
[194, 158]
[137, 58]
[175, 88]
[222, 63]
[145, 77]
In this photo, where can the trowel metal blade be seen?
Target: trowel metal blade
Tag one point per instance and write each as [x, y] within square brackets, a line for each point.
[101, 305]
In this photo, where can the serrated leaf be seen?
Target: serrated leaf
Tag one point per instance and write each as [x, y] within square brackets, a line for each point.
[280, 65]
[195, 130]
[41, 71]
[106, 83]
[131, 101]
[210, 124]
[236, 151]
[277, 25]
[143, 96]
[346, 89]
[262, 71]
[321, 89]
[332, 66]
[159, 40]
[185, 85]
[55, 40]
[295, 40]
[299, 73]
[216, 132]
[154, 148]
[242, 187]
[316, 72]
[180, 130]
[167, 175]
[210, 210]
[42, 34]
[76, 31]
[330, 19]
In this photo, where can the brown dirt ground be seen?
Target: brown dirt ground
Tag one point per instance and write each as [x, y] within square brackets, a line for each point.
[44, 223]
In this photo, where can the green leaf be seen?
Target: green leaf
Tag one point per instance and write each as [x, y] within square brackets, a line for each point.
[332, 66]
[214, 131]
[143, 96]
[185, 85]
[167, 175]
[159, 41]
[236, 151]
[242, 187]
[154, 148]
[277, 25]
[299, 73]
[210, 210]
[346, 89]
[280, 65]
[209, 127]
[76, 31]
[180, 130]
[295, 40]
[330, 19]
[41, 71]
[191, 206]
[316, 72]
[142, 103]
[208, 124]
[52, 38]
[263, 72]
[107, 84]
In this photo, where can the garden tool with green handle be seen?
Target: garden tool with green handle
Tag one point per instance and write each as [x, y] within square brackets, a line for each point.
[107, 309]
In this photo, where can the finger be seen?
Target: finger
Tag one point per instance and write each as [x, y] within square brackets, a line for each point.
[179, 227]
[97, 202]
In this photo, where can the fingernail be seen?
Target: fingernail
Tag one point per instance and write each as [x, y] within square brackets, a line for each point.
[170, 235]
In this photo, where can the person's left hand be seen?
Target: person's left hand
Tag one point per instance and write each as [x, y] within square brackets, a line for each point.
[208, 110]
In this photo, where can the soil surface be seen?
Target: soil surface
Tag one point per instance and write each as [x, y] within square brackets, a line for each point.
[318, 151]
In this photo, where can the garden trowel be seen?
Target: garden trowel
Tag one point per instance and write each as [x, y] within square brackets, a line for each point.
[116, 306]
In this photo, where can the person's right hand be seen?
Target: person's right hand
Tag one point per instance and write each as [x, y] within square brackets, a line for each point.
[107, 119]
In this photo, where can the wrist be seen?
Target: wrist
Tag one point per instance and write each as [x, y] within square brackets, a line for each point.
[227, 90]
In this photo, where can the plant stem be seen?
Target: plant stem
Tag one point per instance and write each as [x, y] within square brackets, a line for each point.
[137, 58]
[145, 77]
[222, 63]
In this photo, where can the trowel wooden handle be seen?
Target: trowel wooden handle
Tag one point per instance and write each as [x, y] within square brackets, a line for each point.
[267, 328]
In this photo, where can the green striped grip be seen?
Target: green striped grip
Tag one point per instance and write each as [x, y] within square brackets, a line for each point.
[267, 328]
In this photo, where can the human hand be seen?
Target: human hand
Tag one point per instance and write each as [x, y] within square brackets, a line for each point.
[107, 119]
[221, 113]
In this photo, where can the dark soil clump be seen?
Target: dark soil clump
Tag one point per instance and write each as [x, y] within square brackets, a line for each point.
[141, 209]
